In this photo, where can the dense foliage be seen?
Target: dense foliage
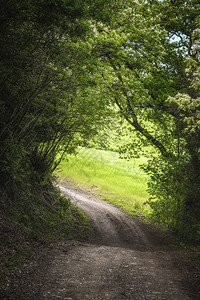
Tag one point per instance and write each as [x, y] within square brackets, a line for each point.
[66, 66]
[152, 58]
[47, 107]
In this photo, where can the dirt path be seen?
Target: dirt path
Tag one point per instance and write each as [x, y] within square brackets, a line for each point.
[124, 259]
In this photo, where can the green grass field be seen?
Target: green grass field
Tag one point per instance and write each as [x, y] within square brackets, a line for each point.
[117, 181]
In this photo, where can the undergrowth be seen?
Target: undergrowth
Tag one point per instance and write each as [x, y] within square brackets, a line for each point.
[28, 222]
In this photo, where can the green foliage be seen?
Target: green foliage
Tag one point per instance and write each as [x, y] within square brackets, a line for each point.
[175, 197]
[48, 105]
[47, 101]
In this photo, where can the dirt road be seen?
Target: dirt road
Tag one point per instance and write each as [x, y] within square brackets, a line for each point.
[121, 262]
[124, 259]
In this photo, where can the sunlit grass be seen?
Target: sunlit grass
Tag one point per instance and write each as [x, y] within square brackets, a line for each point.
[118, 181]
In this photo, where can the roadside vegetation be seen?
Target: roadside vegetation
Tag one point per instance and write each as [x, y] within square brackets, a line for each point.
[40, 219]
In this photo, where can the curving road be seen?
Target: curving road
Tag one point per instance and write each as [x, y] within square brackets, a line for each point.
[111, 226]
[124, 259]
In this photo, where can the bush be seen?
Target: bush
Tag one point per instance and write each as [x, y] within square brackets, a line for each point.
[174, 197]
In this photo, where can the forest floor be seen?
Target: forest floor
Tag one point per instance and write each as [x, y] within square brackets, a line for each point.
[124, 258]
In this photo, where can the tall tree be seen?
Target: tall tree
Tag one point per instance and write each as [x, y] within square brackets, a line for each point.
[43, 77]
[151, 56]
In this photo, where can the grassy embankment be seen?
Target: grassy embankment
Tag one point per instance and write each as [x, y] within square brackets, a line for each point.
[117, 181]
[32, 222]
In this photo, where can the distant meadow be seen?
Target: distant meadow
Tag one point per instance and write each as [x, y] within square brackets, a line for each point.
[115, 180]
